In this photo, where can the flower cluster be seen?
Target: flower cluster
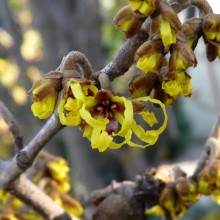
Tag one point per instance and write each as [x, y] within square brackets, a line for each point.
[209, 180]
[179, 195]
[168, 50]
[105, 119]
[175, 198]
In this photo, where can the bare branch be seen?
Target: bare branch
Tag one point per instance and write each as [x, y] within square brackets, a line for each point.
[211, 150]
[22, 160]
[13, 126]
[76, 58]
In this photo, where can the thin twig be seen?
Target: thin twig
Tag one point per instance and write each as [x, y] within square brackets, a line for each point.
[13, 126]
[211, 150]
[76, 58]
[22, 160]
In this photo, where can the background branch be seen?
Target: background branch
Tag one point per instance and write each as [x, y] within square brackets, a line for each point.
[12, 125]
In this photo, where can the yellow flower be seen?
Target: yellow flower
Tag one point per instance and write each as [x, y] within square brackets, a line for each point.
[155, 210]
[103, 115]
[211, 28]
[71, 205]
[182, 57]
[128, 22]
[180, 86]
[148, 63]
[143, 7]
[75, 94]
[150, 56]
[59, 171]
[45, 93]
[108, 117]
[59, 168]
[8, 216]
[44, 108]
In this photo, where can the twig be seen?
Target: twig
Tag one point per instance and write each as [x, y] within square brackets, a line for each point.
[211, 150]
[76, 58]
[202, 5]
[13, 126]
[125, 57]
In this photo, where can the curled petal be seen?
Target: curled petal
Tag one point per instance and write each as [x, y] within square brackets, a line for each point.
[68, 114]
[127, 137]
[77, 90]
[149, 117]
[100, 139]
[149, 136]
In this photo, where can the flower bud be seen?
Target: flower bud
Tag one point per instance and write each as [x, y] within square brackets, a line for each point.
[44, 94]
[186, 190]
[211, 28]
[128, 22]
[192, 29]
[142, 84]
[150, 56]
[165, 23]
[170, 202]
[182, 57]
[211, 33]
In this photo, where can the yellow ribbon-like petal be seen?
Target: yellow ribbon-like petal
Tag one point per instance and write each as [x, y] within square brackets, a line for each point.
[100, 139]
[71, 117]
[149, 136]
[167, 34]
[77, 90]
[149, 117]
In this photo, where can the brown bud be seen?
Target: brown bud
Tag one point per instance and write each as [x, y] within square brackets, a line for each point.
[128, 22]
[167, 196]
[50, 83]
[142, 84]
[192, 29]
[164, 11]
[182, 56]
[186, 189]
[211, 28]
[149, 47]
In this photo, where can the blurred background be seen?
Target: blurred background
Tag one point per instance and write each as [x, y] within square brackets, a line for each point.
[35, 35]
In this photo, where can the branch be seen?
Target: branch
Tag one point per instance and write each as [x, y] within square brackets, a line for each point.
[125, 57]
[211, 150]
[29, 193]
[10, 171]
[23, 159]
[13, 126]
